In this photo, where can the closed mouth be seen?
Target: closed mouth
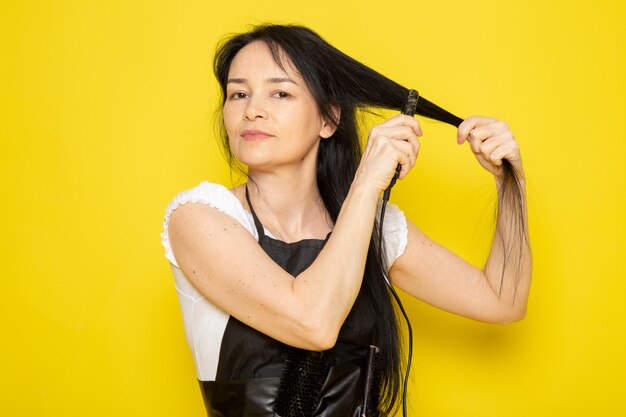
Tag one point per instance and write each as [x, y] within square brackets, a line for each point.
[254, 134]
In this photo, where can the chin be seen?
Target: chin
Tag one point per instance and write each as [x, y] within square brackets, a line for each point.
[255, 162]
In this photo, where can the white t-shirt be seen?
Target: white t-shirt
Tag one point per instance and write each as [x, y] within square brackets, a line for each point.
[205, 323]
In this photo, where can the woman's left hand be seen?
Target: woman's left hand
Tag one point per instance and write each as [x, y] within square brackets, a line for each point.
[491, 141]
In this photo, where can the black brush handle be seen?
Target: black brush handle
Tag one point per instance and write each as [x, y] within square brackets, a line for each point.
[410, 105]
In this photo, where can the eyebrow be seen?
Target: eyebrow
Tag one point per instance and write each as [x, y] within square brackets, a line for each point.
[274, 80]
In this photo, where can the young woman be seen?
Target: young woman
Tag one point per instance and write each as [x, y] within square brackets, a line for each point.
[281, 280]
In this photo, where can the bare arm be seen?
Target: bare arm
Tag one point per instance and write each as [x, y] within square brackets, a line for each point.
[438, 276]
[224, 262]
[227, 265]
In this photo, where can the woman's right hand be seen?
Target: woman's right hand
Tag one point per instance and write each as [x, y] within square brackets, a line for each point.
[390, 143]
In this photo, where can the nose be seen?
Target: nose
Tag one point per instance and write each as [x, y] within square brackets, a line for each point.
[255, 109]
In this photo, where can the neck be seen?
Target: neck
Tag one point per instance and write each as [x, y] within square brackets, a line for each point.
[289, 204]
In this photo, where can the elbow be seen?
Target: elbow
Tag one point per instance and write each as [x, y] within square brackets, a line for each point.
[325, 343]
[319, 335]
[322, 337]
[512, 316]
[317, 325]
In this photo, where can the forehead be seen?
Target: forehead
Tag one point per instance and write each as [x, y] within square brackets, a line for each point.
[256, 59]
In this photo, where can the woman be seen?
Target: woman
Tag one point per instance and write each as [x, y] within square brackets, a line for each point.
[325, 343]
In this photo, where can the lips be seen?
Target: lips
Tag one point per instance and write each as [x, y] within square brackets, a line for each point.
[254, 135]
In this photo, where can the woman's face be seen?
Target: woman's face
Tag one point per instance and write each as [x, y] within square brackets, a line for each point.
[270, 117]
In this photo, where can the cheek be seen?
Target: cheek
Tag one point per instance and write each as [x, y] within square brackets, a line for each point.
[298, 122]
[229, 118]
[310, 126]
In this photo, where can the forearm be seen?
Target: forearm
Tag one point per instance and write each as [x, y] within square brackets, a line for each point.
[331, 284]
[509, 266]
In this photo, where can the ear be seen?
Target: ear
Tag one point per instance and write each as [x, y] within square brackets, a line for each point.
[328, 127]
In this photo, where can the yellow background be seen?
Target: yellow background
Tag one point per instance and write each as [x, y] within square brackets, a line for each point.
[106, 113]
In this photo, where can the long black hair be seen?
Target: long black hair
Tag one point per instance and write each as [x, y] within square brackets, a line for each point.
[335, 79]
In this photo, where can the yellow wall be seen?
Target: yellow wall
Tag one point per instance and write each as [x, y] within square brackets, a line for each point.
[106, 113]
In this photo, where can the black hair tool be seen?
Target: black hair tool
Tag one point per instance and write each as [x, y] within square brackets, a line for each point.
[410, 105]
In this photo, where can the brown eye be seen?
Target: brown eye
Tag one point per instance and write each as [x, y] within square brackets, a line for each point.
[282, 94]
[238, 95]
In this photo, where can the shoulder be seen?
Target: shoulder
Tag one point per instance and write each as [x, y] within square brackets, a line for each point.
[213, 195]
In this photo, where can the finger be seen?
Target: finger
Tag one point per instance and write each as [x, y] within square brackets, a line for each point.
[505, 151]
[405, 163]
[415, 144]
[475, 142]
[406, 148]
[478, 136]
[470, 123]
[407, 156]
[394, 132]
[487, 146]
[485, 162]
[495, 157]
[413, 158]
[404, 120]
[491, 129]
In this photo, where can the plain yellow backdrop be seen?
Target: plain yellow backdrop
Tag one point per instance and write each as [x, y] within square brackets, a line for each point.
[106, 113]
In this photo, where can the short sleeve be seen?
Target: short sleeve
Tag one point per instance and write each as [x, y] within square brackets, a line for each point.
[395, 232]
[213, 195]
